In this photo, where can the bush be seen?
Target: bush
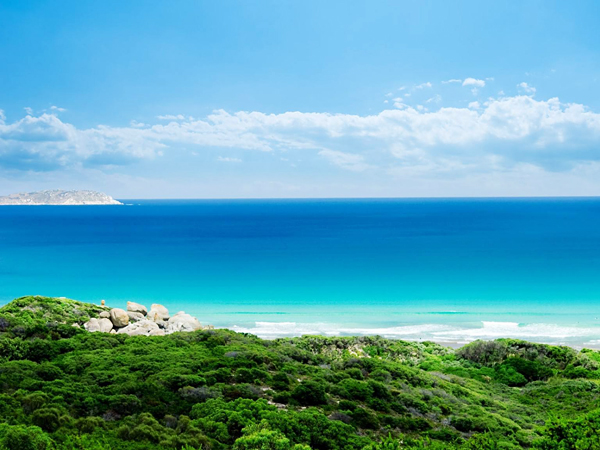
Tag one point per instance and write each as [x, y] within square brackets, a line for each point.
[280, 381]
[365, 418]
[20, 437]
[310, 393]
[486, 353]
[531, 370]
[47, 419]
[577, 372]
[386, 444]
[260, 437]
[200, 394]
[508, 375]
[581, 433]
[354, 389]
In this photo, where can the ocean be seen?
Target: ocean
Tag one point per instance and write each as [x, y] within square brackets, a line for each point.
[448, 270]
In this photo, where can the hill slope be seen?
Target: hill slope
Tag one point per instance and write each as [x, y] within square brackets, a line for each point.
[62, 387]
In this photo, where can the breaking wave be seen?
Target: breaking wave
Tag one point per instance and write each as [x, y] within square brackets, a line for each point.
[538, 332]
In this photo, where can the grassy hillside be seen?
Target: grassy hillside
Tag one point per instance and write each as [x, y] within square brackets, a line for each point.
[64, 388]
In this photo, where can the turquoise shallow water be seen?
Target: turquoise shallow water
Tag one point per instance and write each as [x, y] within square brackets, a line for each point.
[448, 270]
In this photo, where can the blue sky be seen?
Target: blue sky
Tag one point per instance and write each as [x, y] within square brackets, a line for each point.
[300, 99]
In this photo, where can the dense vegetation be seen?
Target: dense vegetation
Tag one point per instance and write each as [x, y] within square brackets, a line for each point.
[64, 388]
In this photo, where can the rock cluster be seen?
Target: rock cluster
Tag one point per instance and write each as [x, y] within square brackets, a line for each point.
[138, 321]
[103, 325]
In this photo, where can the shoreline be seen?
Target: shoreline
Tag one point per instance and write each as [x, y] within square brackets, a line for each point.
[455, 335]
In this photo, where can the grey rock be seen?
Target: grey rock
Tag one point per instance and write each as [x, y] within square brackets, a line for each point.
[182, 322]
[104, 315]
[340, 416]
[119, 317]
[141, 328]
[105, 325]
[101, 325]
[137, 308]
[92, 326]
[135, 316]
[158, 312]
[158, 332]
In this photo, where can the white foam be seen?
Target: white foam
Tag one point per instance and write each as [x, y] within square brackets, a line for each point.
[272, 330]
[290, 329]
[541, 332]
[494, 330]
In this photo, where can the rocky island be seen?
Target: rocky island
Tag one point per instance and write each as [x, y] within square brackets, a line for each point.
[59, 197]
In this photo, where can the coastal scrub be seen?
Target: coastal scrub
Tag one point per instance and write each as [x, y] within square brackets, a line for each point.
[62, 387]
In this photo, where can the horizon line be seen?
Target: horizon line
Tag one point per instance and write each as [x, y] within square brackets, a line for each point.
[516, 197]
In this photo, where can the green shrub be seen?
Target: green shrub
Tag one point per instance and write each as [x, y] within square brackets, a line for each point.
[508, 375]
[487, 353]
[354, 389]
[47, 419]
[310, 393]
[531, 370]
[365, 418]
[20, 437]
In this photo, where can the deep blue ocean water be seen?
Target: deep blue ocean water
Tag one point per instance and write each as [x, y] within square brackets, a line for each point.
[451, 270]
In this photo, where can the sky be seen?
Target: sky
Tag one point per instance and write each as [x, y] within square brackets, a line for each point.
[258, 99]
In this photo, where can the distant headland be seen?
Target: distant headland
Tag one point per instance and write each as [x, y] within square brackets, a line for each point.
[59, 197]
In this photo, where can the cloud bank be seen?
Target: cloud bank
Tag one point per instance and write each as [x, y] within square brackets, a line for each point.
[500, 135]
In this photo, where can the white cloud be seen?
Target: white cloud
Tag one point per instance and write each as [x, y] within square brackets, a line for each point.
[229, 159]
[452, 81]
[499, 135]
[473, 82]
[435, 99]
[171, 117]
[2, 116]
[57, 109]
[424, 85]
[524, 87]
[47, 143]
[348, 161]
[28, 111]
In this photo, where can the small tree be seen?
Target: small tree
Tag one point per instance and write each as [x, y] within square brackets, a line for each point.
[261, 437]
[388, 443]
[20, 437]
